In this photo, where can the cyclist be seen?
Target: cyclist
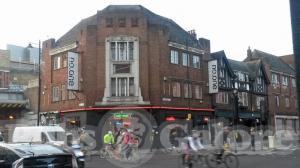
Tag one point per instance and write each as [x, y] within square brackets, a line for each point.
[109, 139]
[191, 145]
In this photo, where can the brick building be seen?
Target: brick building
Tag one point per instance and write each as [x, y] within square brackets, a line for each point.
[282, 97]
[129, 58]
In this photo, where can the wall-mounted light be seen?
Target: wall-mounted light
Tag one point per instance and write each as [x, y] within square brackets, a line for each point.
[11, 117]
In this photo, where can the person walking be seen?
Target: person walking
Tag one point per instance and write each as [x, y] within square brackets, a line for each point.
[252, 134]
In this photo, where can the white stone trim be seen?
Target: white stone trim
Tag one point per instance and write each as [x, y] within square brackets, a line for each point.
[184, 47]
[286, 117]
[134, 71]
[63, 49]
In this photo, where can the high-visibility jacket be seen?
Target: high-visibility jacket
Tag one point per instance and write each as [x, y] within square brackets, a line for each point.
[108, 139]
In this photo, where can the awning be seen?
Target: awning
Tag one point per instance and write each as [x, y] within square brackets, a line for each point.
[242, 114]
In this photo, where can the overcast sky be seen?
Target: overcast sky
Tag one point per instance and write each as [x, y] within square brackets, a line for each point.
[231, 25]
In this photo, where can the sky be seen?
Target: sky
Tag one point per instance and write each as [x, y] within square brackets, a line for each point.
[230, 25]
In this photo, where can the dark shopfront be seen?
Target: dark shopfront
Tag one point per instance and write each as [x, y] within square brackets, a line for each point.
[94, 119]
[246, 119]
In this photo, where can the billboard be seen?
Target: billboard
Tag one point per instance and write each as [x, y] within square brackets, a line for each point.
[213, 76]
[72, 71]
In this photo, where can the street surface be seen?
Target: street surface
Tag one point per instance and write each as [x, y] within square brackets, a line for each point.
[276, 159]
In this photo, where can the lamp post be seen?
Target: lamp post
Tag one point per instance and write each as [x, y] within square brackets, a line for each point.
[235, 114]
[39, 81]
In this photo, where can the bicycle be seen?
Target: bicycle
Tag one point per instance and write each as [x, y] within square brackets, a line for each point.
[106, 152]
[216, 159]
[194, 160]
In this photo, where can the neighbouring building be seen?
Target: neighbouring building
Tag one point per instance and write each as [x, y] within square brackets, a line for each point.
[250, 81]
[128, 59]
[282, 95]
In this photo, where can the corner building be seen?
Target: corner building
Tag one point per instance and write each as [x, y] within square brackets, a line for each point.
[128, 59]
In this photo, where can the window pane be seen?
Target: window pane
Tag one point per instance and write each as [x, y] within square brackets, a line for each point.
[174, 57]
[113, 87]
[196, 61]
[122, 86]
[185, 59]
[131, 87]
[113, 50]
[130, 50]
[122, 68]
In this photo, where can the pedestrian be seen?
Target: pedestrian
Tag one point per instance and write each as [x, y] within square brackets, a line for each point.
[252, 134]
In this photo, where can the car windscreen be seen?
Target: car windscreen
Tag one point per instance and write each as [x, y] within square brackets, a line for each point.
[57, 135]
[53, 161]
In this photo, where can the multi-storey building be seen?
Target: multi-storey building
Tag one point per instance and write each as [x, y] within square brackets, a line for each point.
[128, 58]
[282, 98]
[250, 81]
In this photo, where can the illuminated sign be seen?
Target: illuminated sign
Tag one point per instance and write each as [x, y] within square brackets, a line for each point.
[122, 115]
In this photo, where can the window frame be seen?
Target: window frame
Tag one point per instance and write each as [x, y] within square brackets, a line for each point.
[174, 57]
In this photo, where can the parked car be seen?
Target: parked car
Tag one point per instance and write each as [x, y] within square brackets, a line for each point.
[52, 134]
[25, 155]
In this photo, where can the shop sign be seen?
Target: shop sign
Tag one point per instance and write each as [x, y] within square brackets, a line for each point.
[213, 76]
[72, 71]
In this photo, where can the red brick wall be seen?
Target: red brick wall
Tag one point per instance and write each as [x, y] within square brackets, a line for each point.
[154, 65]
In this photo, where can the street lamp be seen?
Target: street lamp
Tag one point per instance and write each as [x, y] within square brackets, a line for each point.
[39, 81]
[235, 113]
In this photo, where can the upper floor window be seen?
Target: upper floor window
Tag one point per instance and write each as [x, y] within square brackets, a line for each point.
[243, 98]
[277, 101]
[56, 62]
[259, 101]
[287, 102]
[185, 59]
[134, 22]
[259, 80]
[275, 79]
[122, 22]
[285, 80]
[198, 92]
[63, 92]
[55, 93]
[121, 51]
[174, 57]
[187, 90]
[176, 89]
[293, 82]
[222, 63]
[196, 61]
[122, 87]
[109, 22]
[222, 73]
[222, 98]
[71, 95]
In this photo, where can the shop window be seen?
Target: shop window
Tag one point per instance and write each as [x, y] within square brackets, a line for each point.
[73, 123]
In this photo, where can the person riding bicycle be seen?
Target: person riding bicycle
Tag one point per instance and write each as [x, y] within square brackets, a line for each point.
[191, 145]
[109, 139]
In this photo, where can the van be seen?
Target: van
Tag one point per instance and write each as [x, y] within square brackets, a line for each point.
[45, 134]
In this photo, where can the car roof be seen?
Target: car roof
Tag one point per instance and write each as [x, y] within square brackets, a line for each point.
[24, 149]
[46, 128]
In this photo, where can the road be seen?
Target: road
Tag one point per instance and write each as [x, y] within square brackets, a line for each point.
[162, 160]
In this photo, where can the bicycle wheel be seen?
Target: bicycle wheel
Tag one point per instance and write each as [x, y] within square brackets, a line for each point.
[212, 160]
[231, 161]
[103, 154]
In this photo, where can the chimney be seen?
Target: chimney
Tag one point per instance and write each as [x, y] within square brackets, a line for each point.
[249, 53]
[193, 33]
